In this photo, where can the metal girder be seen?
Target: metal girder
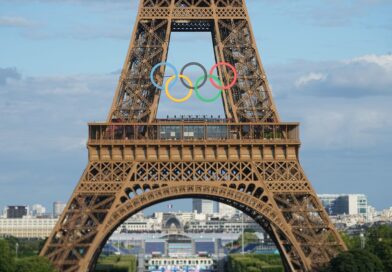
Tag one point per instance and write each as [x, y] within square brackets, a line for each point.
[253, 165]
[249, 99]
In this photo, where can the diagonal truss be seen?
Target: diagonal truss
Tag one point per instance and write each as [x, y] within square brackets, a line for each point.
[251, 164]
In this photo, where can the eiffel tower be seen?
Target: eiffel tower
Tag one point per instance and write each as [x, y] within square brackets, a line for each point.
[251, 164]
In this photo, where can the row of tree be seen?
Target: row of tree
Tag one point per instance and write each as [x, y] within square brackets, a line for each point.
[254, 263]
[27, 262]
[112, 263]
[370, 253]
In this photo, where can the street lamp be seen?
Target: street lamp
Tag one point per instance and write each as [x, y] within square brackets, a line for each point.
[363, 240]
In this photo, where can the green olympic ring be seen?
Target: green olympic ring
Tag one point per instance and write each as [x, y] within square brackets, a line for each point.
[199, 96]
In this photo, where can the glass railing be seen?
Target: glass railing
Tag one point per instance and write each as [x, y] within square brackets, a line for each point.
[183, 131]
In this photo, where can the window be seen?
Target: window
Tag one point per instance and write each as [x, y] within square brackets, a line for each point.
[170, 132]
[216, 132]
[193, 132]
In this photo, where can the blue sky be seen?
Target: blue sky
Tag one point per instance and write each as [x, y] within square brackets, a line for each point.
[329, 64]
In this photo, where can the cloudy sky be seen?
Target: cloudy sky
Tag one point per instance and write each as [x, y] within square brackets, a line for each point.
[329, 64]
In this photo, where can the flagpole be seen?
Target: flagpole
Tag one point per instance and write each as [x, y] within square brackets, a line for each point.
[243, 250]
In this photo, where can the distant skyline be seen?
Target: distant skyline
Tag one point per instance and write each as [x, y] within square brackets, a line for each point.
[329, 64]
[168, 206]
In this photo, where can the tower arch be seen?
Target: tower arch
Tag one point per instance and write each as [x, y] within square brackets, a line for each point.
[264, 216]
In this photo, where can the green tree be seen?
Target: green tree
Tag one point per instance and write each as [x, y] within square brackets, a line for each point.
[355, 260]
[383, 232]
[253, 263]
[375, 235]
[34, 264]
[26, 247]
[6, 257]
[351, 241]
[383, 250]
[379, 242]
[249, 237]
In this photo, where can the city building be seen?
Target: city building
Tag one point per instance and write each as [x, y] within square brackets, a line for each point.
[203, 206]
[58, 208]
[4, 213]
[328, 201]
[194, 263]
[37, 210]
[181, 253]
[27, 227]
[345, 204]
[140, 225]
[17, 211]
[226, 211]
[351, 204]
[220, 226]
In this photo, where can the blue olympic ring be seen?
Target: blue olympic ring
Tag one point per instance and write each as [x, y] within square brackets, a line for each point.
[162, 88]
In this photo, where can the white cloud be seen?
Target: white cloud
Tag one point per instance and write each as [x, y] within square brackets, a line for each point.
[384, 61]
[328, 13]
[7, 74]
[336, 125]
[369, 75]
[304, 80]
[9, 21]
[41, 115]
[341, 104]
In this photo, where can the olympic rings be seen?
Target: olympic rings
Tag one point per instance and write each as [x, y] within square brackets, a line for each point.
[231, 67]
[199, 82]
[206, 100]
[156, 67]
[181, 100]
[204, 71]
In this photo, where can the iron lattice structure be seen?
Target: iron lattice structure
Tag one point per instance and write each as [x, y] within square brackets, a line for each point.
[251, 164]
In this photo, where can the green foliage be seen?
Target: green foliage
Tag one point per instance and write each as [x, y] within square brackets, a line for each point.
[34, 264]
[249, 237]
[352, 242]
[382, 232]
[378, 242]
[23, 263]
[6, 257]
[116, 264]
[355, 260]
[254, 262]
[250, 230]
[26, 247]
[383, 249]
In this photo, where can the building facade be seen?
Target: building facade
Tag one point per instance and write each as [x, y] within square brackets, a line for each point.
[221, 226]
[37, 210]
[27, 227]
[226, 211]
[345, 204]
[17, 211]
[203, 206]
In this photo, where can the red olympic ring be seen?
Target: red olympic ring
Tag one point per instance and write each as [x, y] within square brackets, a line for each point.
[231, 84]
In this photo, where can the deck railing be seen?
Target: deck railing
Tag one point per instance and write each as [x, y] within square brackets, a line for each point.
[189, 131]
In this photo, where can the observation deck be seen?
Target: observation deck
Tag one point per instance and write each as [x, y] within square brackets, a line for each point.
[191, 131]
[193, 139]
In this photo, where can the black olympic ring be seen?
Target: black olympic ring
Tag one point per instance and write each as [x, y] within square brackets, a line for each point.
[195, 64]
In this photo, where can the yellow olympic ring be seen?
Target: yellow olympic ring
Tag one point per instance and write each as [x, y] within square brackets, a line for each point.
[179, 100]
